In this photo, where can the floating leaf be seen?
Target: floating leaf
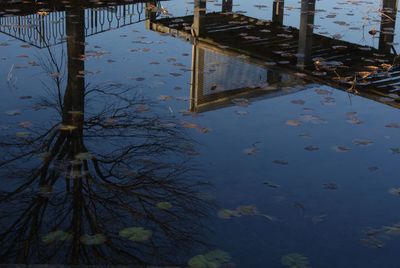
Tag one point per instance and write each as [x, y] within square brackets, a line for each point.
[241, 113]
[323, 92]
[213, 259]
[91, 240]
[340, 149]
[247, 210]
[55, 236]
[227, 214]
[393, 125]
[137, 234]
[22, 134]
[280, 162]
[298, 102]
[251, 150]
[318, 219]
[25, 124]
[392, 230]
[242, 102]
[363, 142]
[272, 185]
[295, 260]
[373, 168]
[164, 205]
[330, 186]
[394, 191]
[311, 148]
[293, 123]
[373, 242]
[395, 150]
[13, 113]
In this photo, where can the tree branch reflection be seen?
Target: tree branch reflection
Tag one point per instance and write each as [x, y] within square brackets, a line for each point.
[110, 162]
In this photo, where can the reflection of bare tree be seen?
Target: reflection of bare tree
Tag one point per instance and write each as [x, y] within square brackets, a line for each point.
[97, 173]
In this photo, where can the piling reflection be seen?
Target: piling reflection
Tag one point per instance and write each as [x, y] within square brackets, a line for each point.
[109, 183]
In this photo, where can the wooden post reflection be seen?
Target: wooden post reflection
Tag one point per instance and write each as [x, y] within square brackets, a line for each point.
[73, 112]
[198, 18]
[227, 5]
[388, 24]
[306, 32]
[75, 27]
[151, 14]
[278, 11]
[198, 69]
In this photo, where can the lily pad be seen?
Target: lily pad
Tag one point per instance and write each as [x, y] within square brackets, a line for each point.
[295, 260]
[164, 205]
[137, 234]
[213, 259]
[91, 240]
[228, 214]
[58, 235]
[247, 210]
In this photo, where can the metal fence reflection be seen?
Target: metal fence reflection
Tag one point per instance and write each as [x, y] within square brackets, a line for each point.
[43, 29]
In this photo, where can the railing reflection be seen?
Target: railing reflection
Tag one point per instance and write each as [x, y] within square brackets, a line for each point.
[48, 28]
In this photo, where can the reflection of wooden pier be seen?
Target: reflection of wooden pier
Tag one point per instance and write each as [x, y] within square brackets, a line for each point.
[372, 72]
[248, 79]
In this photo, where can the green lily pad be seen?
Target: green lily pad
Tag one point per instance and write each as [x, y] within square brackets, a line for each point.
[164, 205]
[295, 260]
[58, 235]
[213, 259]
[228, 214]
[90, 240]
[247, 210]
[137, 234]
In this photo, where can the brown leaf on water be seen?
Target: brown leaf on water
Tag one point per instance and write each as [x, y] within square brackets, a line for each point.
[251, 150]
[311, 148]
[242, 102]
[318, 219]
[281, 162]
[195, 126]
[373, 168]
[298, 102]
[13, 113]
[164, 98]
[330, 186]
[293, 123]
[323, 92]
[340, 148]
[363, 142]
[393, 125]
[25, 124]
[394, 191]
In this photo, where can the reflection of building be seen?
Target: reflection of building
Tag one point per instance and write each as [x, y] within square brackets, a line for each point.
[349, 66]
[47, 25]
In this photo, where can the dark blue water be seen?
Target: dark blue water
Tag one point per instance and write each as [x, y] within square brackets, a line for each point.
[302, 168]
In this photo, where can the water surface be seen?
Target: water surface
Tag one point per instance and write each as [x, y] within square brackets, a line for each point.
[123, 142]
